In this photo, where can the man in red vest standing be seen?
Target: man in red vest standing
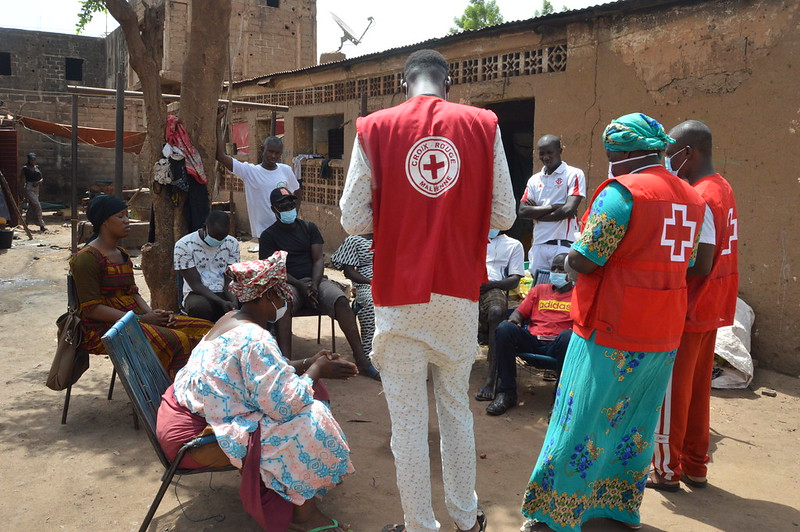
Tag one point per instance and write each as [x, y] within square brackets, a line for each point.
[429, 178]
[682, 432]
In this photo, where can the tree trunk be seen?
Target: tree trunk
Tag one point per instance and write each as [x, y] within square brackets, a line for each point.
[203, 70]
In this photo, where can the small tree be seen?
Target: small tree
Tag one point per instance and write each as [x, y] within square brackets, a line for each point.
[478, 14]
[203, 71]
[547, 8]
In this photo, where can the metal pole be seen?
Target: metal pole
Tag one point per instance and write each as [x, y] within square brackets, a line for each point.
[272, 124]
[74, 217]
[119, 136]
[97, 91]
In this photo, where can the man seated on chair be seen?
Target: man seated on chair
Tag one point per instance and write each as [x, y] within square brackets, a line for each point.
[546, 308]
[201, 258]
[505, 266]
[312, 290]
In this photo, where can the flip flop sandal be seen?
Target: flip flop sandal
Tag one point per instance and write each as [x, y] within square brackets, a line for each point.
[484, 394]
[654, 481]
[694, 483]
[482, 519]
[394, 528]
[334, 524]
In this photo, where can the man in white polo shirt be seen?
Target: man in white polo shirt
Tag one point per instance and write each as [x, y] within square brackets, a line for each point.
[259, 179]
[551, 200]
[505, 266]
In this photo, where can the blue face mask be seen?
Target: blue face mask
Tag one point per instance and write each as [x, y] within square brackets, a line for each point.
[493, 233]
[558, 279]
[211, 241]
[288, 217]
[668, 162]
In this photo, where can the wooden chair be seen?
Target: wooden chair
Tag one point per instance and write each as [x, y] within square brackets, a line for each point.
[145, 380]
[72, 303]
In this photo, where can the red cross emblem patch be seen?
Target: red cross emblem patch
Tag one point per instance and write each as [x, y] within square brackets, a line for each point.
[433, 165]
[678, 233]
[733, 232]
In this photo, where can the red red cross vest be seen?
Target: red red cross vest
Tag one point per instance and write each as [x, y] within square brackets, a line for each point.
[637, 300]
[432, 168]
[712, 298]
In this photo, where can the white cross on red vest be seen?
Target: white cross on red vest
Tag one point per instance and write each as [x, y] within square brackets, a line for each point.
[678, 233]
[733, 232]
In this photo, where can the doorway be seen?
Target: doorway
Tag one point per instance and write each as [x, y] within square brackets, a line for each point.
[515, 119]
[9, 168]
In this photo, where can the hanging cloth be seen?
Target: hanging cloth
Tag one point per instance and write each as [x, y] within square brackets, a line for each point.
[176, 135]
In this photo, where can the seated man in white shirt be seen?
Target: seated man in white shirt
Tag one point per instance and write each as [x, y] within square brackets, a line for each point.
[259, 179]
[201, 257]
[551, 200]
[504, 267]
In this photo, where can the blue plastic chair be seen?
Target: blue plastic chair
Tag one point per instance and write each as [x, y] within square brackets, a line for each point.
[541, 276]
[145, 380]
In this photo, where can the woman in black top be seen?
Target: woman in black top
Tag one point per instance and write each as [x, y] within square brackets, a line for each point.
[33, 177]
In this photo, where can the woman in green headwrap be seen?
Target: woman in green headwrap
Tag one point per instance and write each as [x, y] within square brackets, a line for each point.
[628, 307]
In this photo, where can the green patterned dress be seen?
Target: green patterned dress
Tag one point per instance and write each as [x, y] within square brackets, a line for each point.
[596, 454]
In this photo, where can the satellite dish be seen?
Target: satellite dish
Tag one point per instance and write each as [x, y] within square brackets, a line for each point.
[350, 35]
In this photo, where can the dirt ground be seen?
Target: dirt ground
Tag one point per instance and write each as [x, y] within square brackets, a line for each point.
[98, 473]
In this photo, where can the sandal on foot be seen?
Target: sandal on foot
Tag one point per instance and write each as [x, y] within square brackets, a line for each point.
[695, 482]
[371, 372]
[394, 528]
[657, 482]
[484, 394]
[482, 519]
[549, 376]
[334, 524]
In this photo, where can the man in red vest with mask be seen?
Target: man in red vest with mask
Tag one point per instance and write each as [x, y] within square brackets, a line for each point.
[429, 178]
[682, 432]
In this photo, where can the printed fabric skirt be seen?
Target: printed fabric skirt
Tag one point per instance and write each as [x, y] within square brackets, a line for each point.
[596, 454]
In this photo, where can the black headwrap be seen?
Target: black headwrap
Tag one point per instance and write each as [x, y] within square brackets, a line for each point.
[101, 208]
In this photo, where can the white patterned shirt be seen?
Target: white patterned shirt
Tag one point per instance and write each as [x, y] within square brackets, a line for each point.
[192, 252]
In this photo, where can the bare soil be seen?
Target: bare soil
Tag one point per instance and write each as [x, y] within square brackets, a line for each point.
[98, 473]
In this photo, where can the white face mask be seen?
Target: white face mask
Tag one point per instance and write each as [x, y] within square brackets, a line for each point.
[668, 162]
[611, 164]
[279, 312]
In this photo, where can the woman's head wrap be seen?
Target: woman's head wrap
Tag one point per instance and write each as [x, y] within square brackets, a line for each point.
[251, 280]
[635, 132]
[103, 207]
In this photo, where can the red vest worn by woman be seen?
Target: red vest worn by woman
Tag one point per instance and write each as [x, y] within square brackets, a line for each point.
[637, 300]
[432, 171]
[712, 298]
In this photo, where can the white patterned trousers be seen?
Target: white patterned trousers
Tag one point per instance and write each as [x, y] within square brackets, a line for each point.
[407, 339]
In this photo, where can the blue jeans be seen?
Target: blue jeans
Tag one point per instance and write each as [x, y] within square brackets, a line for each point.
[510, 339]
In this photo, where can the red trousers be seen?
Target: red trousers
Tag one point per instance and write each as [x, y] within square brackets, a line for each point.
[681, 438]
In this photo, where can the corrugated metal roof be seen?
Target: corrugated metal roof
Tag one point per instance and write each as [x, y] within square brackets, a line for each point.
[575, 14]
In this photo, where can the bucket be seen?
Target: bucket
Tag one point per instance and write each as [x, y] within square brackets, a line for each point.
[6, 237]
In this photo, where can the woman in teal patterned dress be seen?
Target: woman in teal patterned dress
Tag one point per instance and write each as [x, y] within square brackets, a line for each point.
[596, 454]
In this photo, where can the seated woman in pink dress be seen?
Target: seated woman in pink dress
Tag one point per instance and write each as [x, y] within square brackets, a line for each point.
[265, 411]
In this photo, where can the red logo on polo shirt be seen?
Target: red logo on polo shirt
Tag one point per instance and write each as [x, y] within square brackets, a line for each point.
[559, 181]
[433, 166]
